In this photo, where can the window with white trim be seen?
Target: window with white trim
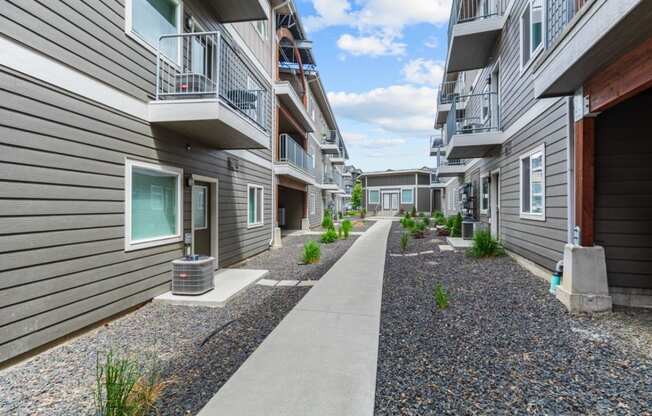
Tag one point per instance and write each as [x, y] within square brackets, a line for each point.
[484, 194]
[532, 30]
[407, 196]
[199, 205]
[486, 103]
[255, 205]
[154, 203]
[313, 203]
[261, 28]
[533, 184]
[374, 197]
[148, 20]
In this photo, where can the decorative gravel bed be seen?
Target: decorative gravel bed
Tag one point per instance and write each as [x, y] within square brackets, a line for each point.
[60, 381]
[285, 264]
[503, 346]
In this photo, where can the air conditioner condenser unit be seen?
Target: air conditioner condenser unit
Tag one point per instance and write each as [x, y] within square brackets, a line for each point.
[192, 276]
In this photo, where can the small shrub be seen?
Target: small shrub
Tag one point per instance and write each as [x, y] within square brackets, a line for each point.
[363, 212]
[484, 245]
[439, 218]
[454, 225]
[311, 252]
[329, 236]
[418, 230]
[346, 227]
[327, 221]
[405, 239]
[426, 221]
[421, 215]
[441, 297]
[125, 388]
[414, 210]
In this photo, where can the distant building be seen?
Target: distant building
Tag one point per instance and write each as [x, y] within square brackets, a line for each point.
[391, 192]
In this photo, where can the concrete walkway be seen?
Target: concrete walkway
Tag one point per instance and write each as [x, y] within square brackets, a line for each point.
[321, 359]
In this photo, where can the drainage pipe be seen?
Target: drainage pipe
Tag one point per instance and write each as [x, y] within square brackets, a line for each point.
[570, 170]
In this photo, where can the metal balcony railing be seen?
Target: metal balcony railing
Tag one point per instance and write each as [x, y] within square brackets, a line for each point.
[436, 142]
[205, 65]
[558, 14]
[294, 154]
[481, 115]
[454, 162]
[332, 177]
[463, 11]
[450, 90]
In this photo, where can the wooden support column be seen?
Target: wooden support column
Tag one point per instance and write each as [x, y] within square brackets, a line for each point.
[585, 178]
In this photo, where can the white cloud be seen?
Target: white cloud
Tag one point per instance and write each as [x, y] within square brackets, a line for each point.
[424, 71]
[383, 14]
[370, 45]
[404, 110]
[431, 42]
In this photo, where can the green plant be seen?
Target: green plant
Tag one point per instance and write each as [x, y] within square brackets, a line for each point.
[439, 218]
[418, 230]
[346, 227]
[484, 245]
[405, 238]
[441, 296]
[454, 225]
[356, 195]
[426, 221]
[327, 221]
[408, 223]
[329, 236]
[339, 215]
[123, 390]
[414, 210]
[363, 212]
[311, 252]
[340, 233]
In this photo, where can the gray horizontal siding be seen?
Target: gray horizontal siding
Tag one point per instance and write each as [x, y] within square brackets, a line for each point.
[62, 259]
[539, 241]
[391, 180]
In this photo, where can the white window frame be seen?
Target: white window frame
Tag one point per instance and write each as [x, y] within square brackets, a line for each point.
[129, 21]
[130, 244]
[262, 212]
[411, 193]
[529, 215]
[486, 103]
[536, 51]
[257, 27]
[369, 192]
[483, 209]
[206, 211]
[313, 203]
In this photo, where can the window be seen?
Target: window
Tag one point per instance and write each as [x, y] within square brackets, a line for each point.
[199, 205]
[484, 194]
[254, 205]
[533, 184]
[261, 28]
[149, 19]
[313, 203]
[407, 196]
[532, 30]
[486, 103]
[374, 197]
[153, 195]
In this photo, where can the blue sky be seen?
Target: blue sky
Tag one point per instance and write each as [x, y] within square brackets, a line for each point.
[381, 62]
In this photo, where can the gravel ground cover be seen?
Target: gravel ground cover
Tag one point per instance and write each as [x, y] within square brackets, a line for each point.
[60, 381]
[503, 346]
[285, 264]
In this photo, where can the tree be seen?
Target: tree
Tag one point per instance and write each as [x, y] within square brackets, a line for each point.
[356, 195]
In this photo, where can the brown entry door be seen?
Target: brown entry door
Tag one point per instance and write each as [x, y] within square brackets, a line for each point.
[201, 218]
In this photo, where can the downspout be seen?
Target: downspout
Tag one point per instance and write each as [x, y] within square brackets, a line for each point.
[570, 170]
[273, 42]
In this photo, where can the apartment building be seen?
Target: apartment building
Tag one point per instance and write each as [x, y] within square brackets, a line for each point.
[310, 151]
[391, 192]
[133, 132]
[350, 176]
[542, 112]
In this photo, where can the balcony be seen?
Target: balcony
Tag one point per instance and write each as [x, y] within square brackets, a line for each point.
[473, 28]
[330, 143]
[294, 161]
[476, 134]
[229, 11]
[585, 36]
[287, 95]
[448, 92]
[332, 181]
[452, 167]
[437, 146]
[337, 159]
[210, 93]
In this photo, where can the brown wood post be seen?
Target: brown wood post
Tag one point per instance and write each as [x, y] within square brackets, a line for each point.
[585, 178]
